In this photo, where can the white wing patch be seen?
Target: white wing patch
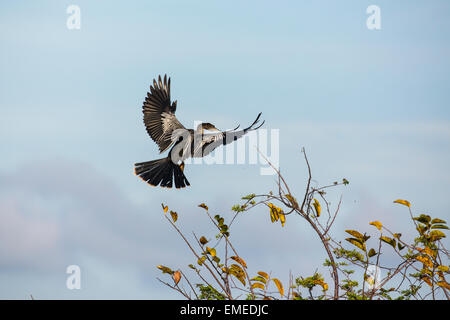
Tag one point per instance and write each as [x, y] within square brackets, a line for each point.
[170, 123]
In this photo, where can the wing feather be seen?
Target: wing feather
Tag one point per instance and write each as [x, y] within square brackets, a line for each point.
[159, 114]
[209, 142]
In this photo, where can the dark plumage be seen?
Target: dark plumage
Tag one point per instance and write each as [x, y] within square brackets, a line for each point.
[165, 129]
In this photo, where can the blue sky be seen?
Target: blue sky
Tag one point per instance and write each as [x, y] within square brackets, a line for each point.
[368, 105]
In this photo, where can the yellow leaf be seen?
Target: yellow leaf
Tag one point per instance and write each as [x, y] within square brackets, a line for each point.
[443, 268]
[444, 284]
[165, 269]
[237, 271]
[176, 277]
[236, 268]
[211, 251]
[165, 208]
[263, 274]
[201, 260]
[322, 283]
[425, 260]
[174, 215]
[316, 205]
[257, 285]
[292, 200]
[275, 212]
[356, 234]
[403, 202]
[429, 252]
[436, 235]
[428, 281]
[204, 206]
[279, 286]
[282, 219]
[240, 261]
[376, 224]
[357, 243]
[259, 278]
[273, 216]
[388, 240]
[425, 271]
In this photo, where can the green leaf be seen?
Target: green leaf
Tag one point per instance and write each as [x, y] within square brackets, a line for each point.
[422, 228]
[437, 221]
[219, 220]
[238, 208]
[372, 252]
[249, 197]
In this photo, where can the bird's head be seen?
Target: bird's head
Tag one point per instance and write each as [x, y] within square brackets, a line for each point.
[206, 126]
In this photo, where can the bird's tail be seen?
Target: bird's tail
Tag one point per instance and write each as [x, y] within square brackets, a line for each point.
[161, 172]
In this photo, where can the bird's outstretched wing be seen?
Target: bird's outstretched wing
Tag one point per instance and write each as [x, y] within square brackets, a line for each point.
[211, 141]
[159, 114]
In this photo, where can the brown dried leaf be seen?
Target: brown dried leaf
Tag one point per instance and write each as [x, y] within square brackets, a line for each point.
[176, 277]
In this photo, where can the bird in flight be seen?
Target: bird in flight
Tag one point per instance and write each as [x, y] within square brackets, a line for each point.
[165, 129]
